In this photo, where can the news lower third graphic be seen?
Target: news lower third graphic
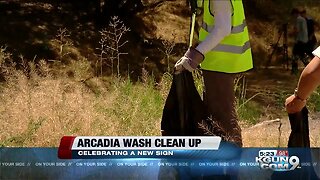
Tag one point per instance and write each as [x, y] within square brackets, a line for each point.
[85, 157]
[82, 147]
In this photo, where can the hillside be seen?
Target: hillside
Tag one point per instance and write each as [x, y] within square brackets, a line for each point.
[56, 69]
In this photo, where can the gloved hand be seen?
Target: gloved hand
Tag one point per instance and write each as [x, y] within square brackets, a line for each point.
[191, 59]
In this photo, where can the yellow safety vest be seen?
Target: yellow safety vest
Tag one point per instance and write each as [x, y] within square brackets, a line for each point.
[233, 53]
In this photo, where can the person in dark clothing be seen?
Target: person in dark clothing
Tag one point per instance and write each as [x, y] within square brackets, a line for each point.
[301, 39]
[312, 40]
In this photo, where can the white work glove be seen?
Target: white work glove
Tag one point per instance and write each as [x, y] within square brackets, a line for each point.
[191, 59]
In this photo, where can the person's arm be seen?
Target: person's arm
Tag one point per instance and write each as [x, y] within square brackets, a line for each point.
[222, 27]
[308, 82]
[310, 77]
[222, 11]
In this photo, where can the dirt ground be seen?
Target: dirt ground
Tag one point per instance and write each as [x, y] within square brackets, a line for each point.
[268, 134]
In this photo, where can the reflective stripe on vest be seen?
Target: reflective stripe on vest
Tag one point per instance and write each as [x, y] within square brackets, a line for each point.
[234, 29]
[232, 49]
[233, 53]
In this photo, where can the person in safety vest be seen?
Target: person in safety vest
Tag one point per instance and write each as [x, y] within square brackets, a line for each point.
[224, 50]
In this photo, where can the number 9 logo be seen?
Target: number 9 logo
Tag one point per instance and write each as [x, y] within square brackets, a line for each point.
[294, 161]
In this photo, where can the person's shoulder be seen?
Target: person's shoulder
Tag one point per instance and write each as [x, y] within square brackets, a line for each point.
[300, 18]
[309, 18]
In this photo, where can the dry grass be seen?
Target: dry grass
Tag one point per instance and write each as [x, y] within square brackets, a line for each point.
[170, 16]
[38, 111]
[38, 108]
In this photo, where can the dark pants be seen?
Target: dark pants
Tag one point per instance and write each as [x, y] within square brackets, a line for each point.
[220, 101]
[310, 46]
[299, 49]
[299, 53]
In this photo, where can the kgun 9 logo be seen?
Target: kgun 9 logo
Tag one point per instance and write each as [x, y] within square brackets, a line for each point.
[277, 160]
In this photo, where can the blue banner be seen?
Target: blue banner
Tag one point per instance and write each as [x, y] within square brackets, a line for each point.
[228, 162]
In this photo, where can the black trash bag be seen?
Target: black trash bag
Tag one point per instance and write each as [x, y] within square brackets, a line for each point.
[184, 108]
[299, 136]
